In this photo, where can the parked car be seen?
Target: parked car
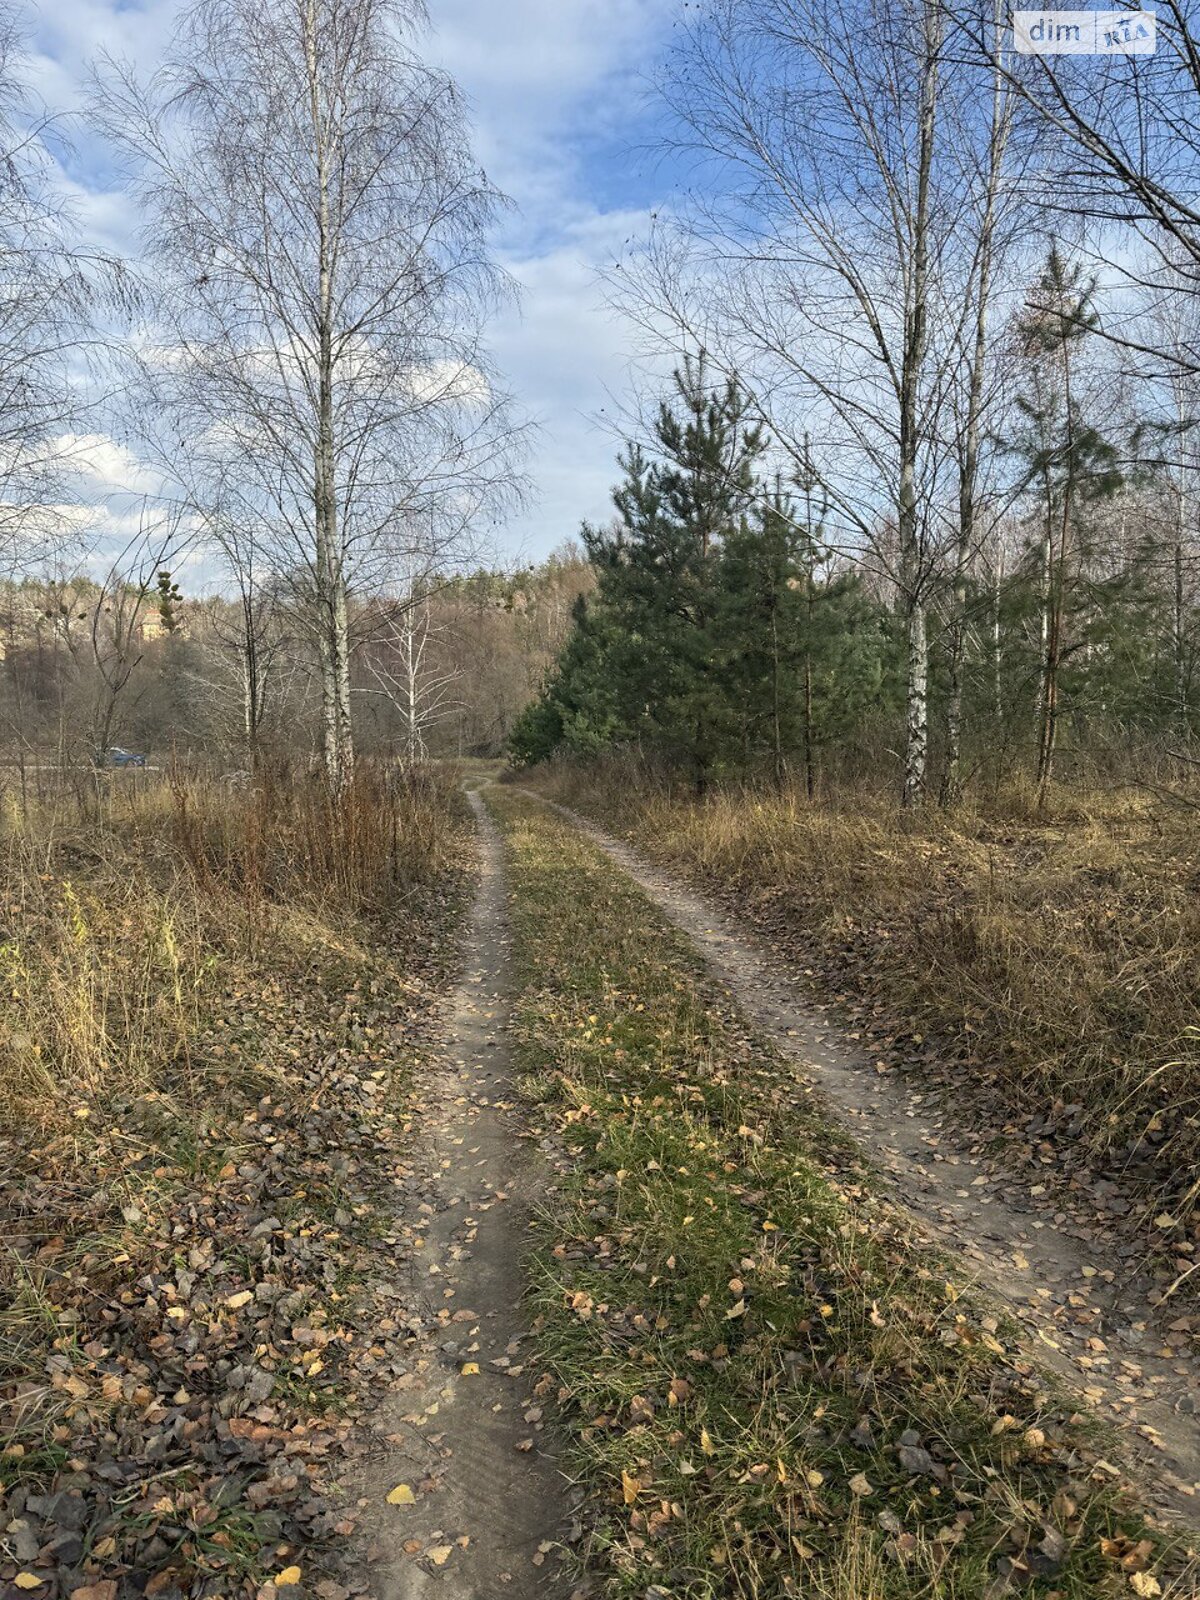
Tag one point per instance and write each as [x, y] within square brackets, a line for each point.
[116, 757]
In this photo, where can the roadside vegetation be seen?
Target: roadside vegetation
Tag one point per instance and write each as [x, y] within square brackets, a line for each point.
[1041, 969]
[737, 697]
[212, 997]
[770, 1386]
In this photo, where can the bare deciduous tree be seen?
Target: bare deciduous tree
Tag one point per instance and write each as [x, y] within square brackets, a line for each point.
[812, 267]
[987, 240]
[102, 625]
[318, 227]
[51, 289]
[418, 681]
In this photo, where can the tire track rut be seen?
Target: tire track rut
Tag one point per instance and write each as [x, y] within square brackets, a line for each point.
[488, 1505]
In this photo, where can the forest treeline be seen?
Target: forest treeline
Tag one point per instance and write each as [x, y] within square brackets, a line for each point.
[924, 502]
[730, 635]
[279, 393]
[953, 287]
[132, 659]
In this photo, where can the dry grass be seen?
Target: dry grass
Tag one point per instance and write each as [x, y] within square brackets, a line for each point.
[122, 918]
[1059, 959]
[103, 982]
[214, 1002]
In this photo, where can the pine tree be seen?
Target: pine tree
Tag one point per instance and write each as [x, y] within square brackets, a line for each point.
[759, 622]
[577, 711]
[1068, 460]
[659, 564]
[168, 599]
[804, 652]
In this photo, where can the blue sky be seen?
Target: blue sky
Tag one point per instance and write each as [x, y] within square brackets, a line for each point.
[561, 118]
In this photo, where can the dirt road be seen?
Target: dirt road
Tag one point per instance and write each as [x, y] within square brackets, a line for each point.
[477, 1504]
[1092, 1324]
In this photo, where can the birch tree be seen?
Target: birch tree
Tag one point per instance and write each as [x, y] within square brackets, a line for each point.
[1120, 132]
[811, 270]
[1168, 380]
[988, 245]
[318, 231]
[416, 678]
[52, 289]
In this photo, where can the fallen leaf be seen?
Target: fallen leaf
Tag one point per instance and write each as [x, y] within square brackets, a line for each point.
[640, 1409]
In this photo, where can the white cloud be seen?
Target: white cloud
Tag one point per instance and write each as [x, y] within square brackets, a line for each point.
[567, 355]
[448, 383]
[67, 36]
[543, 75]
[553, 86]
[101, 466]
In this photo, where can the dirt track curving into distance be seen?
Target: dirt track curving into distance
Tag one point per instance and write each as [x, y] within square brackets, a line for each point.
[1092, 1325]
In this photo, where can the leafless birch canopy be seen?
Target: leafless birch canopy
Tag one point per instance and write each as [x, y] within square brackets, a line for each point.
[318, 227]
[50, 293]
[837, 252]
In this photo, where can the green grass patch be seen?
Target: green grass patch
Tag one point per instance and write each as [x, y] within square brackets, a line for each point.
[770, 1387]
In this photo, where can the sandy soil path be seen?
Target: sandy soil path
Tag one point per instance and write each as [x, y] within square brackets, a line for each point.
[478, 1503]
